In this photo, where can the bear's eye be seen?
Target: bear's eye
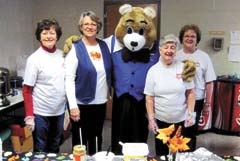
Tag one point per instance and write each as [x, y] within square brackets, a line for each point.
[129, 30]
[141, 31]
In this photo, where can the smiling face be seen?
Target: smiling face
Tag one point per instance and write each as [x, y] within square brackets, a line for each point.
[48, 38]
[89, 27]
[48, 32]
[168, 52]
[189, 40]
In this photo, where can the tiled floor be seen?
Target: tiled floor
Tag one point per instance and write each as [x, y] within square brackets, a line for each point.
[219, 144]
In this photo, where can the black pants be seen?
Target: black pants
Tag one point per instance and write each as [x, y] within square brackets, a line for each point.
[198, 109]
[129, 121]
[91, 124]
[162, 149]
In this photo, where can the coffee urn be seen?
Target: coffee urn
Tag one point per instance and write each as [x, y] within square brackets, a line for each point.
[4, 86]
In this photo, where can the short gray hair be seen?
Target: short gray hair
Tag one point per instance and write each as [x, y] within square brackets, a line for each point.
[169, 38]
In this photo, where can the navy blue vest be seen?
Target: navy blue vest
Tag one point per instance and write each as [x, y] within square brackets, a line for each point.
[86, 75]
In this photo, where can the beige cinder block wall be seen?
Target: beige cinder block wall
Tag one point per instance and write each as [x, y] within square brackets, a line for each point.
[18, 21]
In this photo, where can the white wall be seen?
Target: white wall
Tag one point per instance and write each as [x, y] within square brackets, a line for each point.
[16, 34]
[67, 12]
[210, 15]
[18, 20]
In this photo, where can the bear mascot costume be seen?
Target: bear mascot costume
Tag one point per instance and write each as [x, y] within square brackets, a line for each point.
[134, 49]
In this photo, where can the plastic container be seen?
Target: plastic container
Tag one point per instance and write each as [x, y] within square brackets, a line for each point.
[135, 151]
[79, 153]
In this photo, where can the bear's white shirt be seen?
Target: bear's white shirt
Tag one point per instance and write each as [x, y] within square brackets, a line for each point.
[117, 46]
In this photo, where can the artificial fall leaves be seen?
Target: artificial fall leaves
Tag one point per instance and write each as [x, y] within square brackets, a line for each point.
[95, 55]
[175, 142]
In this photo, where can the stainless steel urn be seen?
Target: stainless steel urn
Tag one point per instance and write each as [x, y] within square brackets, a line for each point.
[4, 86]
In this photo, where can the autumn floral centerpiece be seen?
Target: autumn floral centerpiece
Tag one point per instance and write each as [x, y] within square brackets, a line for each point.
[173, 138]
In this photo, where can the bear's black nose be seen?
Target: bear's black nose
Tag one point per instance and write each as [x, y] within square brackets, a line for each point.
[134, 43]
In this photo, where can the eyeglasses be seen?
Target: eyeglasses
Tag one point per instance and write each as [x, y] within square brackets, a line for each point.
[90, 24]
[190, 36]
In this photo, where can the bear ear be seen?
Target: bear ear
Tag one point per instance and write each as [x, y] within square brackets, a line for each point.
[150, 12]
[125, 9]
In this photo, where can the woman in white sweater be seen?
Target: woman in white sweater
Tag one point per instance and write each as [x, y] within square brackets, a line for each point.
[43, 89]
[169, 99]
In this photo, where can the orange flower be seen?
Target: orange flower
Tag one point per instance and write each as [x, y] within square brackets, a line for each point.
[164, 134]
[176, 142]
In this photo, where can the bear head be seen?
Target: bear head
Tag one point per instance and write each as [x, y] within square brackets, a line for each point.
[136, 29]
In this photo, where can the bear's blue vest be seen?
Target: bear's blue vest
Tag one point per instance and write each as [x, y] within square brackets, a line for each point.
[129, 77]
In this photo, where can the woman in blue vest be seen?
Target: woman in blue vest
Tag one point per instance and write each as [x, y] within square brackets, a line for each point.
[88, 81]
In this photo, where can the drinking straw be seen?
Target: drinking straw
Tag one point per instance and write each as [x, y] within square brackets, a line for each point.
[80, 133]
[108, 150]
[96, 144]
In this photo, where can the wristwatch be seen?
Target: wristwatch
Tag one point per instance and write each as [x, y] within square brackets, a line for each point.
[207, 104]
